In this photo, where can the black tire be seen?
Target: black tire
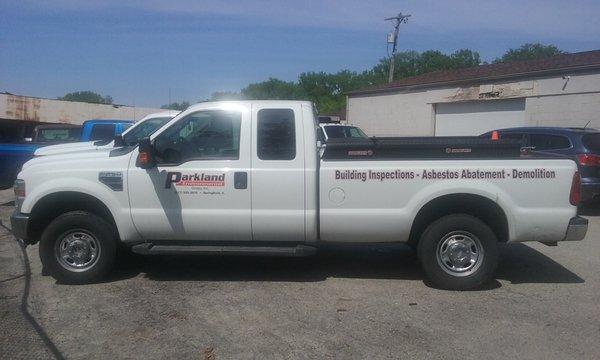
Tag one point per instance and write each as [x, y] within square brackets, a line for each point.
[78, 224]
[462, 229]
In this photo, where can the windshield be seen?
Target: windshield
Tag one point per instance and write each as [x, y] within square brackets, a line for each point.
[144, 129]
[341, 132]
[58, 135]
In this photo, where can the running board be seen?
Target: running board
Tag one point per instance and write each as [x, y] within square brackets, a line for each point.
[150, 249]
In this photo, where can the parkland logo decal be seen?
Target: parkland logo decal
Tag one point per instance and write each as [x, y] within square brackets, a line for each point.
[194, 180]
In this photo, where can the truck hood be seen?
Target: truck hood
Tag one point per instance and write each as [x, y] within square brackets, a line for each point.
[68, 148]
[79, 156]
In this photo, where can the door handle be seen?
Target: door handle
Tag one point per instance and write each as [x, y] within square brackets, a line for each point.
[240, 180]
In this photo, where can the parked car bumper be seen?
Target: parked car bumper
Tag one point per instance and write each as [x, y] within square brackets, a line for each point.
[590, 191]
[577, 229]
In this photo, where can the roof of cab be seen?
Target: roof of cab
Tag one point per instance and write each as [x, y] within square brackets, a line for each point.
[246, 103]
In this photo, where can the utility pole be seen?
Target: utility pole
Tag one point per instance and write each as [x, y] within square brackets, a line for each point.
[393, 39]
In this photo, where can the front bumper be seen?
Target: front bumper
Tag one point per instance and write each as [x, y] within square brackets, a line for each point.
[19, 223]
[577, 229]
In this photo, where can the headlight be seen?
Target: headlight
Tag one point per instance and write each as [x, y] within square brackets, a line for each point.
[19, 189]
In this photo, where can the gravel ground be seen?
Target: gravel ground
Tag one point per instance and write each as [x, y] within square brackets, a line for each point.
[344, 303]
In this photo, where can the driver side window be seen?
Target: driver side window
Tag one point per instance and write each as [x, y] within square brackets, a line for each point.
[203, 135]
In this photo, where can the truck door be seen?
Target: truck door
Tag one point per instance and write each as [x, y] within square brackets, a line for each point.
[200, 188]
[278, 174]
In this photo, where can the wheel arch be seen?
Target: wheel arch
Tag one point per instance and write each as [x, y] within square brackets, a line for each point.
[478, 206]
[50, 206]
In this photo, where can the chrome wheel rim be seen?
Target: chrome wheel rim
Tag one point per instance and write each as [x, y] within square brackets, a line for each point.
[460, 253]
[77, 250]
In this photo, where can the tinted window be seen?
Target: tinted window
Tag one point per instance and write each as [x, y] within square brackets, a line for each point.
[144, 129]
[276, 134]
[58, 134]
[515, 136]
[203, 135]
[549, 142]
[102, 132]
[340, 132]
[592, 142]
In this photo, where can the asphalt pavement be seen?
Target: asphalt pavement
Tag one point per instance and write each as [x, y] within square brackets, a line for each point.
[344, 303]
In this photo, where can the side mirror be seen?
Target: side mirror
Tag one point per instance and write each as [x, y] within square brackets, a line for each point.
[320, 144]
[146, 157]
[119, 142]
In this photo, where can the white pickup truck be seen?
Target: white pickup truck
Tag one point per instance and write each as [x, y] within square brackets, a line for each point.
[144, 127]
[244, 178]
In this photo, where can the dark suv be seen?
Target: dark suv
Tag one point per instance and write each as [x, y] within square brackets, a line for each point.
[579, 144]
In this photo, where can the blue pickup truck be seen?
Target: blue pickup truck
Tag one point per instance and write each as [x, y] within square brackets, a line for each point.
[14, 155]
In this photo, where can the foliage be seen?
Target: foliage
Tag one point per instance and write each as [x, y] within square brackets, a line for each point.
[530, 51]
[176, 106]
[274, 89]
[87, 96]
[225, 95]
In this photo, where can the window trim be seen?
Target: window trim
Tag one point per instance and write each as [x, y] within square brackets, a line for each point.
[258, 155]
[233, 158]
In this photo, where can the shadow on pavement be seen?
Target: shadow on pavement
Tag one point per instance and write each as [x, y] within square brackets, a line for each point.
[522, 264]
[518, 264]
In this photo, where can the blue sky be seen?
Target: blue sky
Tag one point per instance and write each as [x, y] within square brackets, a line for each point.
[136, 50]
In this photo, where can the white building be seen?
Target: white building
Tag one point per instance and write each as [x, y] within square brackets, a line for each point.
[560, 91]
[20, 114]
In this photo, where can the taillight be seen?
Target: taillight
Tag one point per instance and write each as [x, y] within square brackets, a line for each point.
[588, 159]
[575, 195]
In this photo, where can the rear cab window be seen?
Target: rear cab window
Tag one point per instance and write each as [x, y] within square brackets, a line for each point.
[276, 134]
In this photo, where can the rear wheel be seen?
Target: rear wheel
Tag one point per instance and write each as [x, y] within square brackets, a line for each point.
[78, 247]
[458, 252]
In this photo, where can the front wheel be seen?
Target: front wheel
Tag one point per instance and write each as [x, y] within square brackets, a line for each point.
[78, 247]
[458, 252]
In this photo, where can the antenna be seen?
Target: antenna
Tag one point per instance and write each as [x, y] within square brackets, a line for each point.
[587, 124]
[393, 39]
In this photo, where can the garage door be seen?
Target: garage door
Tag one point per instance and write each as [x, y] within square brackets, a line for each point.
[477, 117]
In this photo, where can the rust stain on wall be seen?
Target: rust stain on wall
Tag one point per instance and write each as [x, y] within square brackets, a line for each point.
[22, 108]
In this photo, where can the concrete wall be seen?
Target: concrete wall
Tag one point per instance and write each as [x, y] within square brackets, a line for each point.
[408, 114]
[15, 107]
[550, 101]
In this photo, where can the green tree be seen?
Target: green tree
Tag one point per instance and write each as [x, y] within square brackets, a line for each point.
[465, 58]
[87, 96]
[411, 63]
[225, 95]
[530, 51]
[272, 89]
[177, 106]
